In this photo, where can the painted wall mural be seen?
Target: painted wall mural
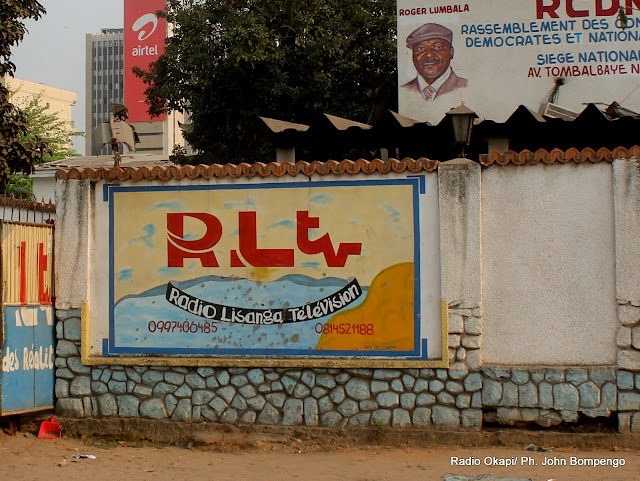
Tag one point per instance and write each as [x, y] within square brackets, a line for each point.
[496, 55]
[323, 269]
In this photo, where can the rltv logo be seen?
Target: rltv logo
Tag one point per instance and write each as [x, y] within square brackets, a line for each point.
[179, 247]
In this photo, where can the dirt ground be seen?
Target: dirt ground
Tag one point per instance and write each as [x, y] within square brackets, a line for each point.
[25, 457]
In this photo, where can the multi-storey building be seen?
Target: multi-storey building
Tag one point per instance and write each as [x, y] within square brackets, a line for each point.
[104, 79]
[105, 83]
[58, 101]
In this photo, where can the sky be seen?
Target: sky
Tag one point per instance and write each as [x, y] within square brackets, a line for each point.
[53, 52]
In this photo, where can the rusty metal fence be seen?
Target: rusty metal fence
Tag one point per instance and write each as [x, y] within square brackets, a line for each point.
[27, 332]
[18, 210]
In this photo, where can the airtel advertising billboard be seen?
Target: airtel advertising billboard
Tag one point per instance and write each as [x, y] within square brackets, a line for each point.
[144, 36]
[494, 55]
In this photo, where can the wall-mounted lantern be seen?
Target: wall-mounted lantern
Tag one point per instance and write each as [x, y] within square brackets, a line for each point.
[462, 118]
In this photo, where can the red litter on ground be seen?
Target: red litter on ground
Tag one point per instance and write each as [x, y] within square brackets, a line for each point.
[50, 429]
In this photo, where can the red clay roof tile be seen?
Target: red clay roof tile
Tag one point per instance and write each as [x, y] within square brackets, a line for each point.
[332, 167]
[245, 170]
[557, 155]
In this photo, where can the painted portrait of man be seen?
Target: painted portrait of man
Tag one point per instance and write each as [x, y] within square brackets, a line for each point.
[432, 51]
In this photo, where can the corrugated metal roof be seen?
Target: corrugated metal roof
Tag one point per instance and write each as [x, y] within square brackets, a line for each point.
[524, 129]
[591, 137]
[102, 161]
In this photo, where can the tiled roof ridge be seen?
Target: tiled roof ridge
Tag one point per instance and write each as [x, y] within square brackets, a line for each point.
[330, 167]
[559, 156]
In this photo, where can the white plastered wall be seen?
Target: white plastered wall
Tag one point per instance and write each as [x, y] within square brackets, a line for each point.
[548, 253]
[459, 184]
[626, 175]
[72, 243]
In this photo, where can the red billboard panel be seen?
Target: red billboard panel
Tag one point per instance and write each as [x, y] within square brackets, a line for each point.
[144, 35]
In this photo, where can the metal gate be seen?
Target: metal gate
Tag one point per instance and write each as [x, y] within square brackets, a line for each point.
[27, 331]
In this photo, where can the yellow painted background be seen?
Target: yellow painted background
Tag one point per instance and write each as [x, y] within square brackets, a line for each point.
[379, 216]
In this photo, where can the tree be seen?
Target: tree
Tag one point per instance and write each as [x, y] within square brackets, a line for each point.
[15, 155]
[231, 61]
[43, 125]
[46, 125]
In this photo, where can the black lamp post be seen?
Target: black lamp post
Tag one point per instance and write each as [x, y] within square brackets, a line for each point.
[462, 119]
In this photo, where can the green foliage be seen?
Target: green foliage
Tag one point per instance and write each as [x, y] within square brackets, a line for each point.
[12, 28]
[20, 186]
[179, 155]
[45, 125]
[622, 18]
[231, 61]
[379, 432]
[16, 153]
[43, 128]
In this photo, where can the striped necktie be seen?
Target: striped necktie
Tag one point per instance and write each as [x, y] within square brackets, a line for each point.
[429, 93]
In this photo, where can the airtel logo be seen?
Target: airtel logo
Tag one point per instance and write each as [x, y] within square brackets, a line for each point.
[142, 22]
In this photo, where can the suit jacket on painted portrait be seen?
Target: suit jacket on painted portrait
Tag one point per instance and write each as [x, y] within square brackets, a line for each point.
[452, 83]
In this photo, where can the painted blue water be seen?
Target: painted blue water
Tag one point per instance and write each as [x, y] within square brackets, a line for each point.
[136, 316]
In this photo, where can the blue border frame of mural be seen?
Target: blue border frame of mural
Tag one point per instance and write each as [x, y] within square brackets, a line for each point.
[420, 351]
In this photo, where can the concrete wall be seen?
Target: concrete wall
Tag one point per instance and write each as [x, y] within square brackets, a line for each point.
[540, 273]
[548, 240]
